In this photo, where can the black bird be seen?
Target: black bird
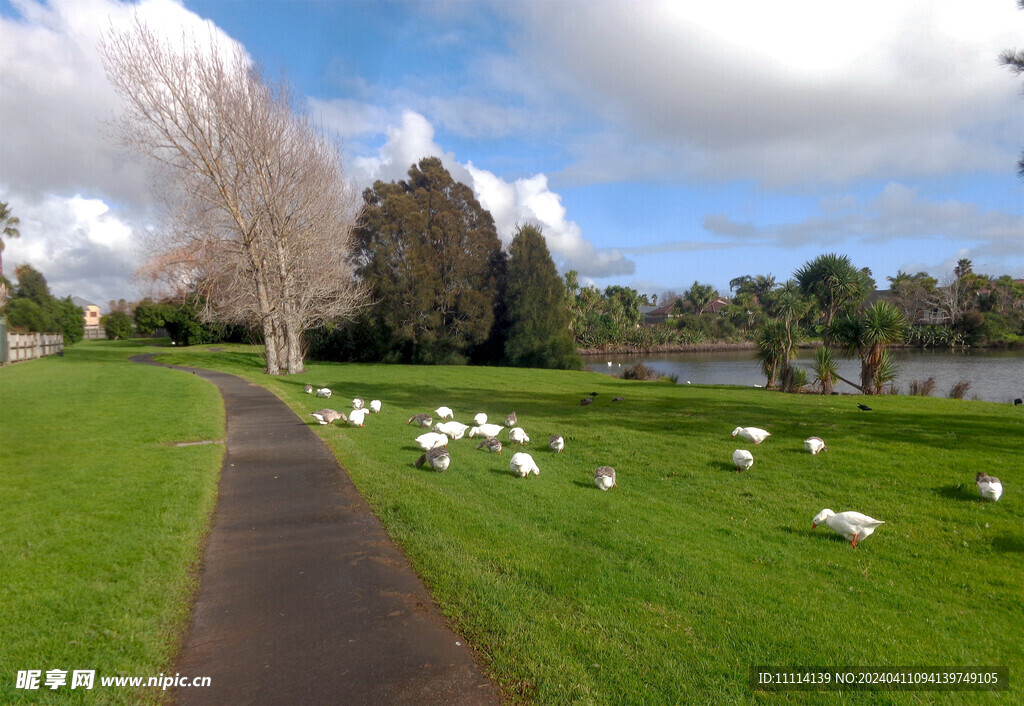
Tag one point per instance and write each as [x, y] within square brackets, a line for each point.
[585, 401]
[1018, 401]
[593, 394]
[863, 407]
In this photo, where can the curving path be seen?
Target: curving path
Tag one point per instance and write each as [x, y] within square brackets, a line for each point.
[303, 598]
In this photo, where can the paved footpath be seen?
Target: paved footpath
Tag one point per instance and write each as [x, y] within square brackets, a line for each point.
[303, 598]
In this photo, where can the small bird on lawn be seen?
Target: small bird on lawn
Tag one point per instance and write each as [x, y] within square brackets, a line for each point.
[593, 394]
[989, 486]
[308, 389]
[437, 457]
[556, 443]
[853, 525]
[863, 407]
[490, 444]
[815, 445]
[323, 392]
[522, 464]
[327, 416]
[510, 420]
[518, 434]
[585, 401]
[604, 477]
[742, 459]
[619, 399]
[1018, 401]
[375, 406]
[422, 420]
[752, 434]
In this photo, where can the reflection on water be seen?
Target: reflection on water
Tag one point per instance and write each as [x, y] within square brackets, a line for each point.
[996, 376]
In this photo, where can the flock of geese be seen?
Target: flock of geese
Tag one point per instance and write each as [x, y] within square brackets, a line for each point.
[854, 526]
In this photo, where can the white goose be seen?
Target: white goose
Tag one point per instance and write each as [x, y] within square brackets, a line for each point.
[989, 486]
[485, 430]
[742, 459]
[374, 406]
[522, 464]
[323, 392]
[357, 403]
[431, 440]
[518, 434]
[357, 417]
[327, 416]
[308, 389]
[456, 430]
[445, 413]
[815, 445]
[855, 526]
[751, 434]
[480, 419]
[604, 477]
[556, 443]
[437, 457]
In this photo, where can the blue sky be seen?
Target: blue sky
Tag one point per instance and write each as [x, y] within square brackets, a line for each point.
[655, 143]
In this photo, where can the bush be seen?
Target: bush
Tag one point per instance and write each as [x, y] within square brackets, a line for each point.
[921, 389]
[960, 389]
[639, 372]
[117, 324]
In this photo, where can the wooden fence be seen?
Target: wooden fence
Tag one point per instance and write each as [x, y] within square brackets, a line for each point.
[27, 346]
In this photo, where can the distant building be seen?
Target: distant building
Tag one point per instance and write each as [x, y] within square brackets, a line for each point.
[660, 314]
[91, 314]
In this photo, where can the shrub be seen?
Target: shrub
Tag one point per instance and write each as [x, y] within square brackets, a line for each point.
[117, 324]
[960, 389]
[639, 372]
[921, 389]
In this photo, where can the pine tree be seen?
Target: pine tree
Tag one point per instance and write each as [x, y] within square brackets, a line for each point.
[537, 318]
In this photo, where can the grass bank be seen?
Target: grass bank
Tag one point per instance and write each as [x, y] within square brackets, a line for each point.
[102, 520]
[668, 588]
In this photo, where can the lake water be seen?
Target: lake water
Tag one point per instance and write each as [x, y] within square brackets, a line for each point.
[995, 376]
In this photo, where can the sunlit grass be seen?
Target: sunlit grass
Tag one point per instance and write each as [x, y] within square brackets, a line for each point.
[102, 521]
[669, 587]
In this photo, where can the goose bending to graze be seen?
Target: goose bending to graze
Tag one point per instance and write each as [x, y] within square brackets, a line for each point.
[511, 420]
[522, 464]
[375, 406]
[989, 486]
[518, 434]
[327, 416]
[485, 430]
[431, 440]
[556, 443]
[480, 419]
[490, 444]
[751, 434]
[604, 477]
[855, 526]
[323, 392]
[815, 445]
[742, 459]
[357, 403]
[357, 417]
[422, 420]
[437, 458]
[585, 401]
[445, 413]
[308, 389]
[456, 430]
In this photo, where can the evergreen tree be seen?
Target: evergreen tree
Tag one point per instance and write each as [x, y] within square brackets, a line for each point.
[537, 331]
[430, 255]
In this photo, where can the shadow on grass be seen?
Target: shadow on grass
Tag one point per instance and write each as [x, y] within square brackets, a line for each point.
[958, 492]
[1008, 543]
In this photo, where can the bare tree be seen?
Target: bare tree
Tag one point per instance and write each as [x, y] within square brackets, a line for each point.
[260, 211]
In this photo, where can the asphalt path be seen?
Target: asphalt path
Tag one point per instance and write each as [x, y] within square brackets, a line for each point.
[303, 598]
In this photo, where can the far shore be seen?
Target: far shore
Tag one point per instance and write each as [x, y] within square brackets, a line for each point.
[714, 346]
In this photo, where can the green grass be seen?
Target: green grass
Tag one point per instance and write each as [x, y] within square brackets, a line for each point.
[101, 521]
[669, 587]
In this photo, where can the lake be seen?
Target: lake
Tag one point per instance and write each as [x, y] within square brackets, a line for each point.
[995, 376]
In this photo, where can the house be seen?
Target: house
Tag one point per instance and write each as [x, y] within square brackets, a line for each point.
[91, 314]
[661, 314]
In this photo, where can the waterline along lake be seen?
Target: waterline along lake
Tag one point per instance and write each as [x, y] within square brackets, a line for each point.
[995, 375]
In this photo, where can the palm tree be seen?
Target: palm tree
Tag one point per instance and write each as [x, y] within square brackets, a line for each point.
[834, 282]
[826, 370]
[699, 296]
[774, 350]
[867, 335]
[9, 228]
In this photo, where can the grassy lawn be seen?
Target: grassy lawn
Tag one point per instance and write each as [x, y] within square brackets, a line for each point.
[101, 520]
[669, 587]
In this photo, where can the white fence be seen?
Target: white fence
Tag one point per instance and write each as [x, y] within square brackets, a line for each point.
[27, 346]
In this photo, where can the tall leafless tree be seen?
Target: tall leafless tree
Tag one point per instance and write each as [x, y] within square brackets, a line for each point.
[260, 213]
